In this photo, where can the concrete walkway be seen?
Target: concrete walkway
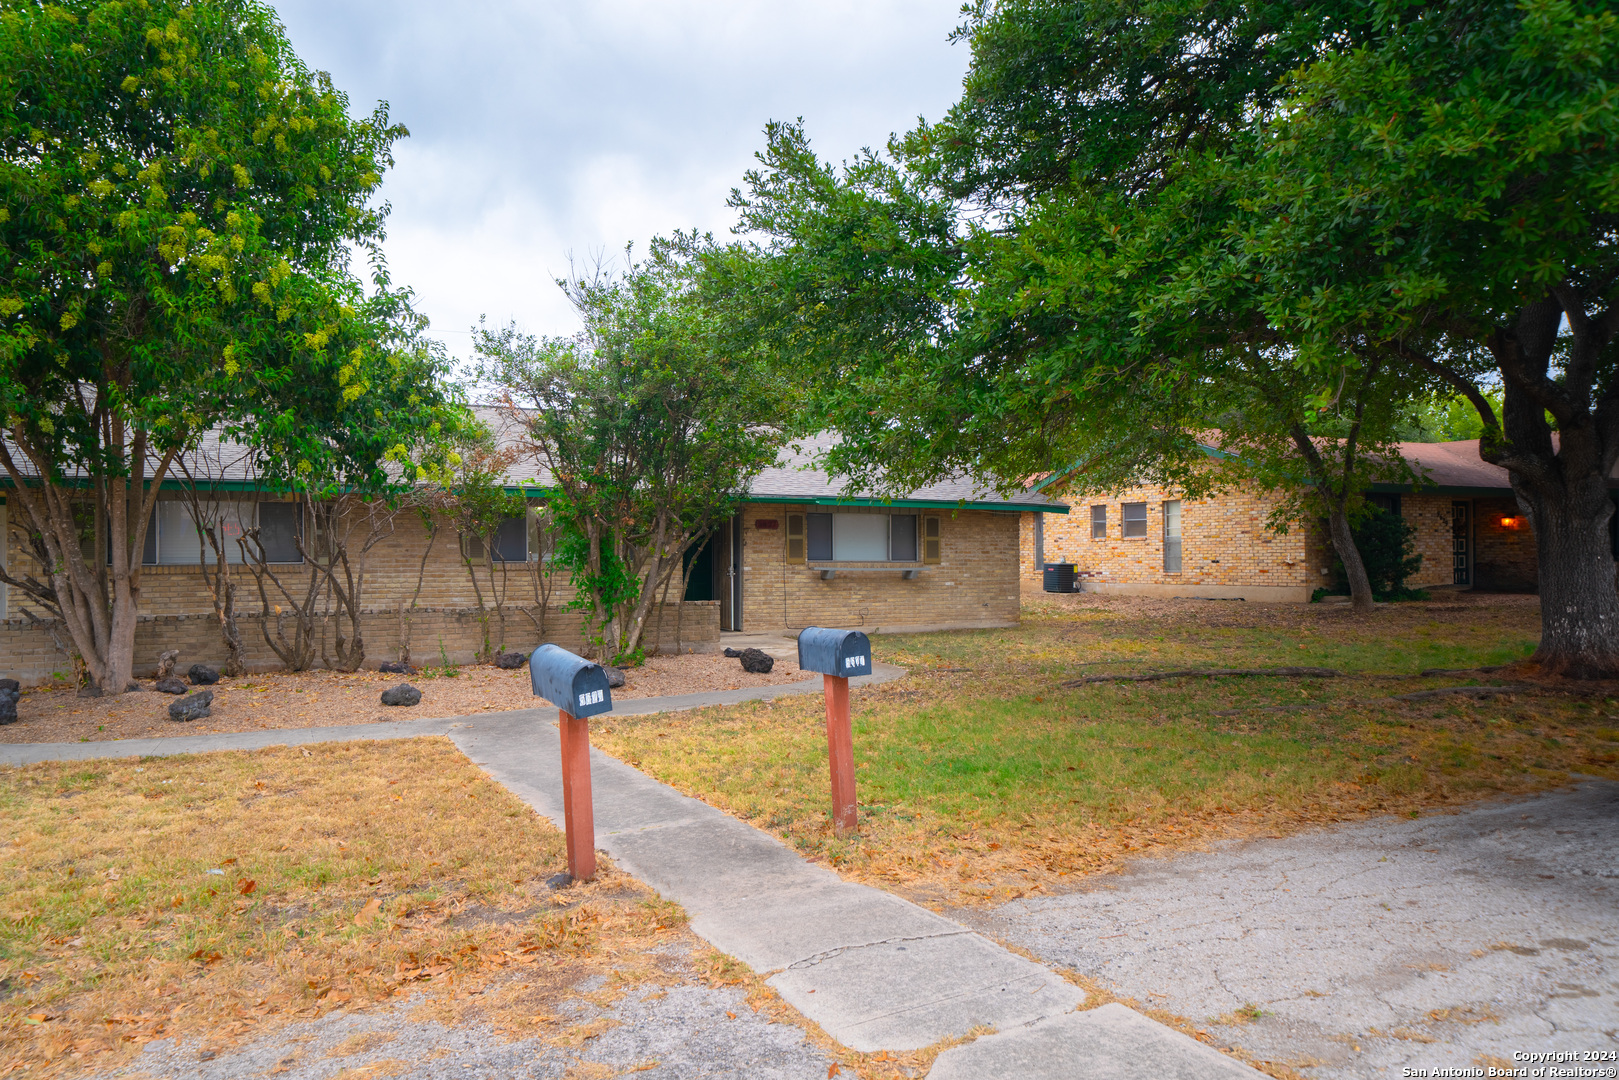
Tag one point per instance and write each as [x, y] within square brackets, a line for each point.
[1382, 948]
[874, 971]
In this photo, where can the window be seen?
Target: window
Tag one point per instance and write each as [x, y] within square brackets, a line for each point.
[856, 537]
[148, 553]
[902, 537]
[1135, 521]
[510, 542]
[1172, 536]
[1099, 523]
[173, 539]
[859, 537]
[820, 537]
[181, 543]
[278, 531]
[932, 541]
[1039, 541]
[1389, 504]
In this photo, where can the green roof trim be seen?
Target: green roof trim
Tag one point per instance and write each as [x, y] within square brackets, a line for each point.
[1439, 489]
[921, 504]
[538, 492]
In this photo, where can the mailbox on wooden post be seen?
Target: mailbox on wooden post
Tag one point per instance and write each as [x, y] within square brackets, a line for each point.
[578, 688]
[838, 655]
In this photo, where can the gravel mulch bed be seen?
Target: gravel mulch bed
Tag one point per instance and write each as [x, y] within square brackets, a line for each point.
[330, 698]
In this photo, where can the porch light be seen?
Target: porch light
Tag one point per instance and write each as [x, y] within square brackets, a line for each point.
[1510, 521]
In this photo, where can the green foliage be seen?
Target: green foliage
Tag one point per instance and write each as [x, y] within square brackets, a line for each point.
[651, 422]
[179, 200]
[1141, 220]
[603, 580]
[1449, 418]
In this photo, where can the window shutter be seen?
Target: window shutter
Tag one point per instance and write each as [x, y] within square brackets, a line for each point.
[932, 549]
[795, 537]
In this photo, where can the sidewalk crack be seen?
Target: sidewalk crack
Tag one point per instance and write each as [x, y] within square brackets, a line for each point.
[817, 958]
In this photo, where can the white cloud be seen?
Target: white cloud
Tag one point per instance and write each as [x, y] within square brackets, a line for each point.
[542, 129]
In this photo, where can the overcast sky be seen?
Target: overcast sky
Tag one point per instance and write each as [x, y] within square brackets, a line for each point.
[542, 129]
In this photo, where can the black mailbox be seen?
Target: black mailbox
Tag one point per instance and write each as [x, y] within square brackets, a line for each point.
[571, 683]
[846, 653]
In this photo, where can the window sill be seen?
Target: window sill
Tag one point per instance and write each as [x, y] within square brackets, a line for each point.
[1134, 539]
[830, 571]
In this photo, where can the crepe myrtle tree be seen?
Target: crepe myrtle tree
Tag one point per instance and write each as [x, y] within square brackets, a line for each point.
[357, 441]
[179, 196]
[650, 421]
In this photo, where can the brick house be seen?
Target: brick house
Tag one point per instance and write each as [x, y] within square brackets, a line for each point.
[796, 554]
[1150, 541]
[801, 553]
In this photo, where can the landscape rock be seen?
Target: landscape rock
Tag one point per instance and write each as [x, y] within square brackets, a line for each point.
[403, 694]
[169, 685]
[10, 684]
[755, 661]
[8, 705]
[395, 667]
[615, 676]
[203, 675]
[166, 661]
[510, 660]
[192, 706]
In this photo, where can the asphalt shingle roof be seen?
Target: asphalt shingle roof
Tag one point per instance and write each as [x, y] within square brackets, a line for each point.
[795, 479]
[792, 479]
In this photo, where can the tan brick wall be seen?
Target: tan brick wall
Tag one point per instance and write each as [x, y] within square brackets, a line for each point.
[176, 605]
[1226, 548]
[975, 584]
[391, 572]
[1431, 516]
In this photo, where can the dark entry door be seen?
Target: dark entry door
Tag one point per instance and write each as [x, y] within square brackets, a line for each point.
[1461, 534]
[729, 541]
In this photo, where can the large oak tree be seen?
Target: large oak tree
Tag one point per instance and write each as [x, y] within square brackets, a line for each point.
[1130, 197]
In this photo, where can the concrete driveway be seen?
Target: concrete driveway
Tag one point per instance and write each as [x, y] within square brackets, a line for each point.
[1455, 940]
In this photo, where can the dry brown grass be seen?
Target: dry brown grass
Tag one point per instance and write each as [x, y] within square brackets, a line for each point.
[351, 873]
[325, 698]
[983, 779]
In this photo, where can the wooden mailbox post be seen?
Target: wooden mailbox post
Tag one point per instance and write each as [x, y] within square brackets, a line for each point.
[578, 688]
[838, 655]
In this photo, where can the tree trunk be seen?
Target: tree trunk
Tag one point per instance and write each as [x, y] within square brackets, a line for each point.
[98, 604]
[1335, 491]
[1560, 479]
[1343, 542]
[1579, 606]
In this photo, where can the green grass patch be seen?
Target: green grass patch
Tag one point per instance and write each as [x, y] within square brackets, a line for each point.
[981, 776]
